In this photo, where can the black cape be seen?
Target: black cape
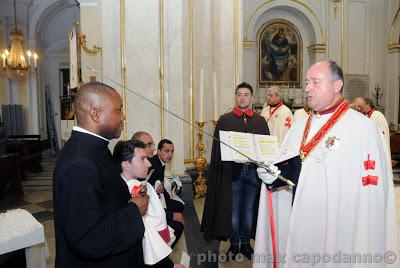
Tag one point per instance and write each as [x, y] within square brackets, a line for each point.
[217, 215]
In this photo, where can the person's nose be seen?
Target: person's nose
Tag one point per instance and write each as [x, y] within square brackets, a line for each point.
[309, 86]
[148, 164]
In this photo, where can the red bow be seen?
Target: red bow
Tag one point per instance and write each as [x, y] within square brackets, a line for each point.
[249, 112]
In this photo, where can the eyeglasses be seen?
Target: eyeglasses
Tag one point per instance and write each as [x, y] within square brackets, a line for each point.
[150, 144]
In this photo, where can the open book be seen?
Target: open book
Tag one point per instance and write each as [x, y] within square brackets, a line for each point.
[258, 147]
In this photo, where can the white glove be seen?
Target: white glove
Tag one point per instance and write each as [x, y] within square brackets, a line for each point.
[242, 161]
[270, 176]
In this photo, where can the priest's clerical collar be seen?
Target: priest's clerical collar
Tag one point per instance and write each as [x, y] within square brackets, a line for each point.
[370, 111]
[330, 109]
[249, 112]
[79, 129]
[276, 104]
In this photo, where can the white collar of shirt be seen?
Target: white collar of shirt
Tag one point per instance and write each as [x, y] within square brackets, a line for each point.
[79, 129]
[126, 180]
[162, 162]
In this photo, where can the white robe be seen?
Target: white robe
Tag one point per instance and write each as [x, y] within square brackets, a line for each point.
[299, 113]
[279, 122]
[154, 247]
[333, 213]
[380, 120]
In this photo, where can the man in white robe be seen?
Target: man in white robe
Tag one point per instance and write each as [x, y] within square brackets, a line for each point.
[278, 115]
[279, 118]
[344, 208]
[366, 106]
[301, 113]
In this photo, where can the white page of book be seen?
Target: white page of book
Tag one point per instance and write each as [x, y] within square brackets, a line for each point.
[242, 142]
[266, 147]
[258, 147]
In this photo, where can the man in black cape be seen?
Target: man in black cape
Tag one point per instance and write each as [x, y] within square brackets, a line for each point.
[233, 188]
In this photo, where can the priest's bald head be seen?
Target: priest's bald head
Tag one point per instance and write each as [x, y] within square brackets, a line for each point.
[98, 109]
[324, 84]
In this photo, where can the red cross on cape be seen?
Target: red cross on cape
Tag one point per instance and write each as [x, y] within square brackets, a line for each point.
[288, 122]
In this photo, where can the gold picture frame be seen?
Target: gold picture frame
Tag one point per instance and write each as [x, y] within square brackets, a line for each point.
[279, 54]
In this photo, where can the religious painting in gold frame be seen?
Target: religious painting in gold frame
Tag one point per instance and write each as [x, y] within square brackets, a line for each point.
[279, 54]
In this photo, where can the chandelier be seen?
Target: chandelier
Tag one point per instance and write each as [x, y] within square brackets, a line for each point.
[15, 64]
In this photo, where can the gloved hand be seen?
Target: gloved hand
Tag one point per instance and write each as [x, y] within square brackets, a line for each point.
[270, 176]
[242, 160]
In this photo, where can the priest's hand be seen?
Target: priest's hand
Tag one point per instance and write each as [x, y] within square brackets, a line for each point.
[160, 188]
[141, 201]
[177, 216]
[269, 176]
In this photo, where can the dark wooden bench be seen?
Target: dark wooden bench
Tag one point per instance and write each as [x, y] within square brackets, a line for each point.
[10, 171]
[28, 149]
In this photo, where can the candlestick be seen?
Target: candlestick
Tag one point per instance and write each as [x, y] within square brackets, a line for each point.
[4, 59]
[200, 185]
[201, 108]
[215, 96]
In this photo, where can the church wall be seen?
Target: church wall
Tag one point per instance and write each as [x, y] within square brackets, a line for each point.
[142, 63]
[12, 92]
[349, 32]
[353, 31]
[175, 91]
[4, 86]
[391, 63]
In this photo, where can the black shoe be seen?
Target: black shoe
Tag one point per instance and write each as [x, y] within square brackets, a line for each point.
[232, 252]
[247, 251]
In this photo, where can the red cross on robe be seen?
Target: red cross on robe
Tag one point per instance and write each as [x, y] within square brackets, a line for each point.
[369, 164]
[288, 122]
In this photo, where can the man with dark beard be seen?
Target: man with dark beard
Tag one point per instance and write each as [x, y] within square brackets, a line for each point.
[233, 188]
[97, 223]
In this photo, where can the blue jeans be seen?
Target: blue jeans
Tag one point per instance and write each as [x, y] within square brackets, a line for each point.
[244, 194]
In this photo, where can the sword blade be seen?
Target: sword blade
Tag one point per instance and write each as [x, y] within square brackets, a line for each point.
[259, 164]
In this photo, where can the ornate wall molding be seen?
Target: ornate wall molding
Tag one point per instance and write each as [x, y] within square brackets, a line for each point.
[394, 46]
[268, 4]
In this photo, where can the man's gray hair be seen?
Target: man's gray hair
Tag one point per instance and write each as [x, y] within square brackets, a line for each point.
[139, 134]
[335, 72]
[277, 90]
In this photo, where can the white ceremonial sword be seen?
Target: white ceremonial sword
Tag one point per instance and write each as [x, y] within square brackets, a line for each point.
[258, 163]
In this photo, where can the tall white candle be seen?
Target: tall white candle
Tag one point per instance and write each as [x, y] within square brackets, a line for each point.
[35, 56]
[29, 53]
[201, 107]
[215, 97]
[4, 59]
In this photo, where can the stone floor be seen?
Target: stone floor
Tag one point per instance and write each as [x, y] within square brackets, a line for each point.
[38, 201]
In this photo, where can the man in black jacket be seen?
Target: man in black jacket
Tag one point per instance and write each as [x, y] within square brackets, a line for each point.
[165, 152]
[97, 223]
[174, 210]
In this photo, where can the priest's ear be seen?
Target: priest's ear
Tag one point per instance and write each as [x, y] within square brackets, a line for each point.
[125, 165]
[95, 114]
[338, 86]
